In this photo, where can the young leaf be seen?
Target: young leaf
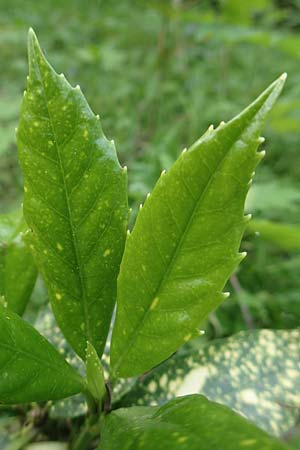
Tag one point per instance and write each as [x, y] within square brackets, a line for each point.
[257, 373]
[188, 423]
[185, 242]
[75, 202]
[17, 269]
[30, 368]
[94, 373]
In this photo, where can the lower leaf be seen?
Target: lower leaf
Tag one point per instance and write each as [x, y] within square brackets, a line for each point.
[187, 423]
[30, 368]
[257, 373]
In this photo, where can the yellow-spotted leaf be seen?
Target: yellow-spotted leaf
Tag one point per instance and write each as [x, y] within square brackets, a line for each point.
[188, 423]
[75, 202]
[185, 242]
[257, 373]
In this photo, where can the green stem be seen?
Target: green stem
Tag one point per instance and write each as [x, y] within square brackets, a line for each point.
[89, 431]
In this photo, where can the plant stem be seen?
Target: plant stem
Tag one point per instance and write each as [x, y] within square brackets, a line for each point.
[89, 432]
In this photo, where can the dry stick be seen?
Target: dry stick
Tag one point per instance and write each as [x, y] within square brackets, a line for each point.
[234, 281]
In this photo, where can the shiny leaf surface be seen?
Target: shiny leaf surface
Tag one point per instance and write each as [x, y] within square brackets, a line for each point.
[17, 268]
[94, 373]
[75, 202]
[185, 242]
[30, 368]
[188, 423]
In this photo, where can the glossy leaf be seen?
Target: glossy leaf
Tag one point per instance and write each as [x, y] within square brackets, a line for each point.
[30, 368]
[17, 269]
[185, 242]
[94, 373]
[257, 373]
[188, 423]
[285, 236]
[75, 202]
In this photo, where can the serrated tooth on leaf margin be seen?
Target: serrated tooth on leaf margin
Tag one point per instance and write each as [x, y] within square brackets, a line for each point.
[241, 256]
[247, 218]
[261, 154]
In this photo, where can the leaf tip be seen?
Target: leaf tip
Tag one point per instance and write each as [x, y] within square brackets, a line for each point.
[283, 76]
[32, 41]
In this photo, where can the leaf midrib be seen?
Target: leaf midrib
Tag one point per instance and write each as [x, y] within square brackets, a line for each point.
[72, 226]
[176, 250]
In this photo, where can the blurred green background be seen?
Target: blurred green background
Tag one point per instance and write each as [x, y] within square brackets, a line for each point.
[159, 73]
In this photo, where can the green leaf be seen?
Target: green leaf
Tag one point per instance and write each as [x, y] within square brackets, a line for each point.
[17, 269]
[30, 368]
[75, 202]
[257, 373]
[94, 373]
[285, 236]
[188, 423]
[185, 242]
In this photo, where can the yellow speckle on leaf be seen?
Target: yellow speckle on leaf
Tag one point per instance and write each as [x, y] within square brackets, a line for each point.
[154, 303]
[187, 337]
[182, 439]
[58, 296]
[25, 189]
[59, 246]
[248, 442]
[106, 253]
[85, 133]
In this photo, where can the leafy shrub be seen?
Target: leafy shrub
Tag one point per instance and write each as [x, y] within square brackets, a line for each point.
[167, 276]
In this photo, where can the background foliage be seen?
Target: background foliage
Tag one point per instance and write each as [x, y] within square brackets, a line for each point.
[159, 73]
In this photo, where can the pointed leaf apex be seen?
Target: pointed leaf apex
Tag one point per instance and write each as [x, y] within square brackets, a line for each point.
[33, 43]
[283, 76]
[35, 54]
